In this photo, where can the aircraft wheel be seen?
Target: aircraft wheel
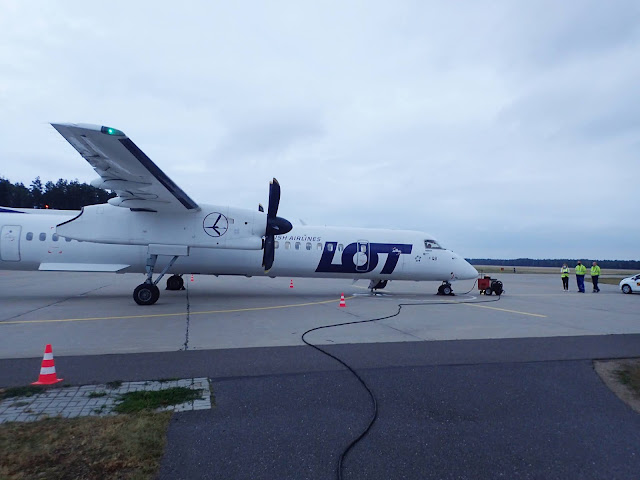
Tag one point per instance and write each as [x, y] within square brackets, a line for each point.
[175, 282]
[488, 291]
[446, 290]
[146, 294]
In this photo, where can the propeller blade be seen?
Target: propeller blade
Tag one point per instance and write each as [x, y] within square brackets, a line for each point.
[275, 225]
[274, 198]
[269, 253]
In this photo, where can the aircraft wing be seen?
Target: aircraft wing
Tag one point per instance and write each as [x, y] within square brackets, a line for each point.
[125, 169]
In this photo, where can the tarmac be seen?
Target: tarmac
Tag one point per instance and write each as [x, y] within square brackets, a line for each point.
[467, 386]
[94, 314]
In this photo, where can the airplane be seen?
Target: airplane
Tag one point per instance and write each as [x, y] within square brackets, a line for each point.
[153, 225]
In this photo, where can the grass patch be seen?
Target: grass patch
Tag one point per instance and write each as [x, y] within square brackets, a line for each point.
[123, 447]
[618, 273]
[629, 375]
[97, 394]
[610, 280]
[26, 391]
[150, 400]
[115, 384]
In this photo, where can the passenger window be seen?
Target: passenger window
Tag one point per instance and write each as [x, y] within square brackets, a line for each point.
[42, 237]
[29, 236]
[55, 237]
[363, 248]
[287, 245]
[297, 245]
[276, 244]
[308, 245]
[319, 246]
[330, 247]
[340, 247]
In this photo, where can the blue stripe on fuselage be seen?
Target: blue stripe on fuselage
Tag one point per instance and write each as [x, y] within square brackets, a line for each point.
[6, 210]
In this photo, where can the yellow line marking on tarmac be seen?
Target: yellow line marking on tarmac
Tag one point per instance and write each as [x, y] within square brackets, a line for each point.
[503, 309]
[125, 317]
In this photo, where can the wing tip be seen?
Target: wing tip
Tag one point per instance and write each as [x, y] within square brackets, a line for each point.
[89, 126]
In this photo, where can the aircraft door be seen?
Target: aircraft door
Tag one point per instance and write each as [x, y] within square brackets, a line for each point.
[10, 243]
[55, 243]
[361, 258]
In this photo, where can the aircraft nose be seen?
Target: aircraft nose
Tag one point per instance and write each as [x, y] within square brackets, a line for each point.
[470, 271]
[465, 270]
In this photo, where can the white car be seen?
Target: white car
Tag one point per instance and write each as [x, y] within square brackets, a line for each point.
[630, 284]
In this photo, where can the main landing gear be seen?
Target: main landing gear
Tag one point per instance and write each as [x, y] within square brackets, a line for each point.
[377, 285]
[175, 282]
[148, 292]
[445, 289]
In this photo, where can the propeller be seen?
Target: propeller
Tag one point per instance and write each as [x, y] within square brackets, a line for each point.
[275, 226]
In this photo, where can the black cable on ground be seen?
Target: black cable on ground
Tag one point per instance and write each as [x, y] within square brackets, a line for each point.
[186, 335]
[374, 402]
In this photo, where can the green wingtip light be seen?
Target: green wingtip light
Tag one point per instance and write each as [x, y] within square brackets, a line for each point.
[112, 131]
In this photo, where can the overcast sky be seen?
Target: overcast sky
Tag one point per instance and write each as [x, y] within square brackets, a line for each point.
[505, 129]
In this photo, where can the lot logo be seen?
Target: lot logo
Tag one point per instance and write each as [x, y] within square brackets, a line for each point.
[361, 257]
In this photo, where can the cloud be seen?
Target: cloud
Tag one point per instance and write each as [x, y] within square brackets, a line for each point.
[502, 128]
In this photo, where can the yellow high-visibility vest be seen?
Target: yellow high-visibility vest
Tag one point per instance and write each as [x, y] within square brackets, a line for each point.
[595, 271]
[564, 271]
[581, 270]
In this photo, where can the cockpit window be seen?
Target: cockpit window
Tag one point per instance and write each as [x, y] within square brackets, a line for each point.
[432, 244]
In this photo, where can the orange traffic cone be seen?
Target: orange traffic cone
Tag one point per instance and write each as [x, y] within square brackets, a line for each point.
[291, 285]
[48, 369]
[342, 302]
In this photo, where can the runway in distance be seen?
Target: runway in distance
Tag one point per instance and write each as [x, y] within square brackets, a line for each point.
[153, 225]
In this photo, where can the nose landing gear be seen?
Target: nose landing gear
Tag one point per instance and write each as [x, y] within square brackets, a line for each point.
[445, 289]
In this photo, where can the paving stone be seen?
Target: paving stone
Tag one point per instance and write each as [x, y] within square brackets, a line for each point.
[51, 411]
[76, 401]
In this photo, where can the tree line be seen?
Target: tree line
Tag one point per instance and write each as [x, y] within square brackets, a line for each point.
[531, 262]
[65, 195]
[61, 195]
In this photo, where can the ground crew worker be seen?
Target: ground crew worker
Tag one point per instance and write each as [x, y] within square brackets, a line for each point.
[564, 273]
[595, 274]
[581, 271]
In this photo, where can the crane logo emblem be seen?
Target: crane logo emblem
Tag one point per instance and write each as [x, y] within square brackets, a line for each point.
[215, 224]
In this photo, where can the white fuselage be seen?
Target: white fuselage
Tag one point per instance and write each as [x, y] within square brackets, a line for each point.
[33, 240]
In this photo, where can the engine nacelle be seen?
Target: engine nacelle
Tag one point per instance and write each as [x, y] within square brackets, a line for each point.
[209, 227]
